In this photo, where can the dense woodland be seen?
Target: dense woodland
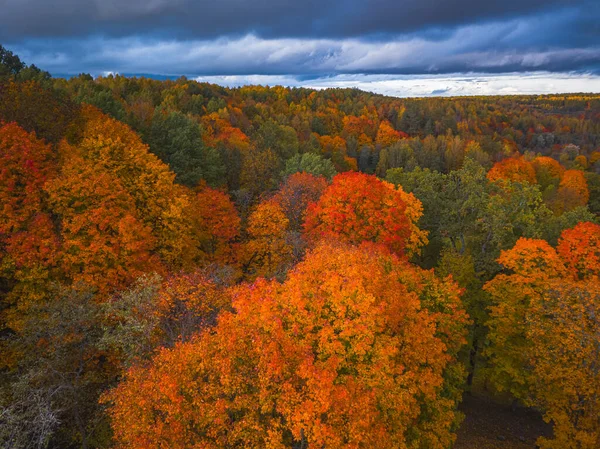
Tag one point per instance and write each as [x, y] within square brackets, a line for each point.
[184, 265]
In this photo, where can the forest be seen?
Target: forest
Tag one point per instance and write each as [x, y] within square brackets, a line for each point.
[184, 265]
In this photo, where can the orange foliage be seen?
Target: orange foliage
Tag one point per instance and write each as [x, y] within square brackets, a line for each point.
[543, 332]
[358, 208]
[217, 223]
[414, 211]
[579, 248]
[105, 244]
[515, 169]
[291, 364]
[332, 145]
[219, 131]
[29, 245]
[162, 205]
[335, 149]
[386, 135]
[266, 253]
[25, 165]
[357, 126]
[572, 192]
[581, 161]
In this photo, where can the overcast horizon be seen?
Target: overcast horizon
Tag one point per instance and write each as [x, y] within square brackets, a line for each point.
[408, 48]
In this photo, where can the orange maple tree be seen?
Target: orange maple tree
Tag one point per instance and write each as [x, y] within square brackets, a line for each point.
[349, 326]
[386, 135]
[104, 242]
[163, 206]
[217, 223]
[515, 169]
[572, 191]
[358, 208]
[29, 244]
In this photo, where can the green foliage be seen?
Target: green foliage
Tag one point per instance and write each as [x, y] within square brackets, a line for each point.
[131, 321]
[11, 66]
[309, 163]
[556, 224]
[175, 138]
[280, 139]
[470, 221]
[593, 181]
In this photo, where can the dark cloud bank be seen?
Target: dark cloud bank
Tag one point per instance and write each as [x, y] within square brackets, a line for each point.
[304, 38]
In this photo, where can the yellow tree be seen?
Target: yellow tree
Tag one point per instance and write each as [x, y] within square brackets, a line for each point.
[163, 206]
[104, 243]
[266, 253]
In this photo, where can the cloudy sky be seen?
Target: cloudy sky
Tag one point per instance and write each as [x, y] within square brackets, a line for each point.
[397, 47]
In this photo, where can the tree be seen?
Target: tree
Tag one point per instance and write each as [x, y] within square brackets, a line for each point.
[231, 142]
[387, 136]
[543, 332]
[566, 320]
[280, 139]
[260, 171]
[10, 64]
[296, 194]
[469, 221]
[515, 169]
[548, 172]
[267, 252]
[26, 164]
[105, 243]
[357, 208]
[579, 248]
[289, 366]
[309, 163]
[188, 304]
[572, 192]
[112, 147]
[217, 223]
[55, 384]
[593, 182]
[553, 228]
[335, 149]
[177, 141]
[35, 108]
[29, 244]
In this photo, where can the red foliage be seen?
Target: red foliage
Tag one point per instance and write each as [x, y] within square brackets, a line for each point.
[359, 208]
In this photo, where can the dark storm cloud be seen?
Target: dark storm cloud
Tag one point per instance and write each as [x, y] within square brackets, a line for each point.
[304, 38]
[266, 18]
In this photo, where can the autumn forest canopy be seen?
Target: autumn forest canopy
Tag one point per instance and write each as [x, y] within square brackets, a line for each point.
[184, 265]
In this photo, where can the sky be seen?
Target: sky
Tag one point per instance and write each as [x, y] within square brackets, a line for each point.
[394, 47]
